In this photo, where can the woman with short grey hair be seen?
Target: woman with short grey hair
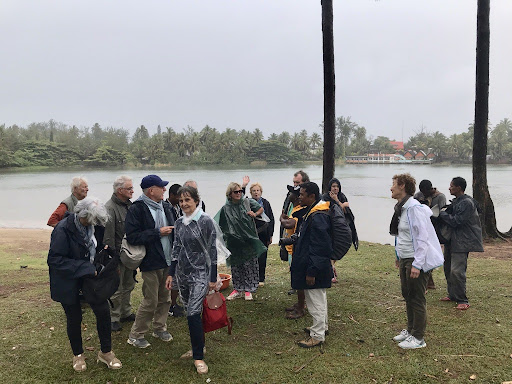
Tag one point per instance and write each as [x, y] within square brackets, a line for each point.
[71, 256]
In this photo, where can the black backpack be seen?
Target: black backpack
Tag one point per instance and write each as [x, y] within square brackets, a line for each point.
[99, 288]
[341, 234]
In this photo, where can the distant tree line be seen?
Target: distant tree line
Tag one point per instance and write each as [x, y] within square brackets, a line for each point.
[56, 144]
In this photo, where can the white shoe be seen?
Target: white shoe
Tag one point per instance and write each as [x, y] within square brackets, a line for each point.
[234, 295]
[412, 343]
[248, 296]
[404, 334]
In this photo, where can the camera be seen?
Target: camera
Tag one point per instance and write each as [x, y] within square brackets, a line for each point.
[288, 240]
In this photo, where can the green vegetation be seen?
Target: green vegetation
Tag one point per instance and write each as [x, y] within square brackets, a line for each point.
[52, 144]
[365, 312]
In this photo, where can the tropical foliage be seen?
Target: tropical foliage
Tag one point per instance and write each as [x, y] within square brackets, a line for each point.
[57, 144]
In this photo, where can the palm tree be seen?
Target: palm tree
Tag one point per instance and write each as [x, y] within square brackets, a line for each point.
[329, 93]
[480, 187]
[315, 140]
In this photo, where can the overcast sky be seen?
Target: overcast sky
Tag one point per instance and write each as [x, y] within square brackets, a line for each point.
[246, 64]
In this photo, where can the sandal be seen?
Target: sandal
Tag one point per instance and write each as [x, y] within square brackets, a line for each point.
[462, 306]
[110, 359]
[79, 363]
[189, 354]
[296, 314]
[447, 298]
[201, 367]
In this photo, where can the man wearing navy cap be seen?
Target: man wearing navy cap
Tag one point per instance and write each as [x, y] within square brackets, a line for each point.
[150, 222]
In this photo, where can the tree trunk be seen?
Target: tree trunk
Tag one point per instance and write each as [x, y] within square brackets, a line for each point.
[329, 93]
[480, 188]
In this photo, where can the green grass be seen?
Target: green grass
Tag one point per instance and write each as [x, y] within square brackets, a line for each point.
[365, 312]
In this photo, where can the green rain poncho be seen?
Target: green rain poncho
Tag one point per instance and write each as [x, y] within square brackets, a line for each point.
[240, 231]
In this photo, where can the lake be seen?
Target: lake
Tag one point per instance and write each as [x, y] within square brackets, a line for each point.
[28, 198]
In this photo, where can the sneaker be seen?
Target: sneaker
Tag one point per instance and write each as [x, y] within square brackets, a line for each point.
[234, 295]
[292, 292]
[176, 311]
[130, 317]
[248, 296]
[162, 335]
[139, 343]
[116, 326]
[310, 342]
[412, 343]
[404, 334]
[296, 314]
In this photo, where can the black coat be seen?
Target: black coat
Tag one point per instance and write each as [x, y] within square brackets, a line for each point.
[267, 234]
[312, 252]
[68, 260]
[140, 230]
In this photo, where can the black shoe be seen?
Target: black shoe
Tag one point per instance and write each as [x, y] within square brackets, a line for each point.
[116, 326]
[130, 317]
[176, 311]
[292, 291]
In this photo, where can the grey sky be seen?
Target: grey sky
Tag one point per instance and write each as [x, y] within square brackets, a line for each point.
[248, 64]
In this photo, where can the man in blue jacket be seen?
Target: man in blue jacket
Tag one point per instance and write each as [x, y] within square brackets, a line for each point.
[311, 262]
[149, 222]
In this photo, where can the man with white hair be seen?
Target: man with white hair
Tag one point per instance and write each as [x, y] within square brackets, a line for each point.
[149, 222]
[79, 189]
[117, 208]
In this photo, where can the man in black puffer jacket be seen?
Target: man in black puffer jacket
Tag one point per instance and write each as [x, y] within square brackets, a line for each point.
[149, 222]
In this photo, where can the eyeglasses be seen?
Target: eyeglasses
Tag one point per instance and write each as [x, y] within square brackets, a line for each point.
[240, 191]
[129, 189]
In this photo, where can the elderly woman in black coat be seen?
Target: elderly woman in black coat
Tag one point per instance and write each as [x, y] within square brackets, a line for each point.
[71, 257]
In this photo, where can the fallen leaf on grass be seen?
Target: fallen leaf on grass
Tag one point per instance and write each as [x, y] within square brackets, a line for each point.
[431, 376]
[352, 318]
[371, 355]
[52, 328]
[279, 353]
[90, 348]
[88, 338]
[510, 356]
[506, 382]
[472, 377]
[13, 348]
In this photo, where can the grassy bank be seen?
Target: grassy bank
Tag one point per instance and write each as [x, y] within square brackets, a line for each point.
[365, 312]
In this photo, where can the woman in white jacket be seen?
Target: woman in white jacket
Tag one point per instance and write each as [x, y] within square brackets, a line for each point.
[418, 252]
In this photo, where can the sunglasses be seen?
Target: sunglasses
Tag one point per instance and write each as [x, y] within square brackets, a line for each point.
[239, 191]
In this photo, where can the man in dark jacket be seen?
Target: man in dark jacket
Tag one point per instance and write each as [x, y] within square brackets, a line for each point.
[117, 208]
[149, 222]
[311, 262]
[462, 217]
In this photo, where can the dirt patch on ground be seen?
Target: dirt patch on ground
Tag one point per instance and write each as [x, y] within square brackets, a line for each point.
[495, 250]
[25, 241]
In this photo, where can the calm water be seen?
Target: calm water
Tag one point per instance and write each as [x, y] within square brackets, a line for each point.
[28, 199]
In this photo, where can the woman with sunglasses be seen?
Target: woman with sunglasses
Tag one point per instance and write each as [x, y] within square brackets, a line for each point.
[236, 219]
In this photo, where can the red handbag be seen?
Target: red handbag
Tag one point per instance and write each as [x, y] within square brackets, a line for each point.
[215, 314]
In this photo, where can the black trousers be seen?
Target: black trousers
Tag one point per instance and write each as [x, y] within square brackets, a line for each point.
[195, 328]
[74, 326]
[262, 265]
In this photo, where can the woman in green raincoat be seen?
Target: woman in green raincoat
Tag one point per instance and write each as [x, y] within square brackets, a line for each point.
[236, 219]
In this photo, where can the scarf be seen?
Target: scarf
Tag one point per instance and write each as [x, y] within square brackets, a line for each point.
[158, 207]
[87, 234]
[260, 202]
[194, 216]
[393, 226]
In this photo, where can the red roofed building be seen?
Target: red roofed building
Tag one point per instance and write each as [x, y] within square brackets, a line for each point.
[397, 145]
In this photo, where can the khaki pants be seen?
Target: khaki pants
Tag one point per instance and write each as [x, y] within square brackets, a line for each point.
[121, 299]
[154, 306]
[316, 301]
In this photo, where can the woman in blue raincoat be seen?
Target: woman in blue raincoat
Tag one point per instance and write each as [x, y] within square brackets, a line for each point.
[236, 219]
[194, 265]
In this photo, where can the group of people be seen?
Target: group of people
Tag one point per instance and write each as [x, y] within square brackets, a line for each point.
[182, 243]
[417, 226]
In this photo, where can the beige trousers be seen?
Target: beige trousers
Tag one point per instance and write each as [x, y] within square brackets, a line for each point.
[155, 304]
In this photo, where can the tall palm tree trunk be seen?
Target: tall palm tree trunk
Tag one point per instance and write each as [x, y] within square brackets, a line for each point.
[480, 187]
[329, 93]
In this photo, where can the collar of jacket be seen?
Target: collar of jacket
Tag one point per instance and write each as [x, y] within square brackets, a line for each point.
[73, 230]
[117, 200]
[319, 206]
